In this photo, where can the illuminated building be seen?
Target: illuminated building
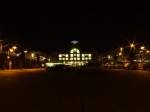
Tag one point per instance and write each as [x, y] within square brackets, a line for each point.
[75, 57]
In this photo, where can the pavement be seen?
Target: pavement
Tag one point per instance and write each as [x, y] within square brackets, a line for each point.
[20, 71]
[76, 91]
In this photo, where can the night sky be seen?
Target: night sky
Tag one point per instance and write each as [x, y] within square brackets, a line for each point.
[48, 29]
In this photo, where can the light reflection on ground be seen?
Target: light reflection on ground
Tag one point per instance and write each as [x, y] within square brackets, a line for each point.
[19, 71]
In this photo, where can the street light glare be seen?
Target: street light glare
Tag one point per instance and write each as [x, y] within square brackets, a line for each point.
[25, 51]
[121, 49]
[142, 47]
[11, 50]
[120, 54]
[147, 51]
[32, 55]
[132, 45]
[14, 47]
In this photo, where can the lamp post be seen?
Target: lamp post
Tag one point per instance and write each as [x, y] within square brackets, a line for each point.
[142, 48]
[10, 51]
[32, 59]
[25, 53]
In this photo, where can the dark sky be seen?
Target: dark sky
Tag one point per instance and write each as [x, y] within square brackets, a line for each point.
[47, 29]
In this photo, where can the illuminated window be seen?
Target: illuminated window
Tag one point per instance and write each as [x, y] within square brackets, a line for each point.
[75, 50]
[90, 55]
[75, 54]
[78, 55]
[78, 58]
[83, 58]
[60, 55]
[71, 58]
[71, 55]
[66, 55]
[75, 58]
[83, 55]
[60, 58]
[63, 58]
[66, 58]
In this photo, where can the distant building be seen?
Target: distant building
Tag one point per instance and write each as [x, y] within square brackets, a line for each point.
[75, 57]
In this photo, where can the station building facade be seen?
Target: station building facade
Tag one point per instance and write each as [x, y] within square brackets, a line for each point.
[75, 57]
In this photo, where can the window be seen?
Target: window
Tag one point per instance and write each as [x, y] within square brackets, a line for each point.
[75, 50]
[71, 55]
[60, 55]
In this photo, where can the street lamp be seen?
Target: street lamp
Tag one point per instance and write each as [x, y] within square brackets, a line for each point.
[142, 47]
[142, 55]
[11, 50]
[109, 57]
[14, 47]
[120, 53]
[32, 55]
[132, 45]
[25, 51]
[121, 49]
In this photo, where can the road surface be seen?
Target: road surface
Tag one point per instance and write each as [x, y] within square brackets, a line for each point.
[101, 91]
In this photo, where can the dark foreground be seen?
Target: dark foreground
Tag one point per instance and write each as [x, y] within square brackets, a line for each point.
[101, 91]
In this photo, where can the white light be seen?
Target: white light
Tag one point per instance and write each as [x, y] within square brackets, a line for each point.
[78, 58]
[42, 65]
[25, 51]
[74, 42]
[121, 49]
[74, 50]
[120, 54]
[71, 55]
[60, 55]
[142, 47]
[11, 50]
[18, 55]
[14, 47]
[78, 55]
[148, 51]
[75, 54]
[50, 64]
[32, 55]
[109, 57]
[66, 55]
